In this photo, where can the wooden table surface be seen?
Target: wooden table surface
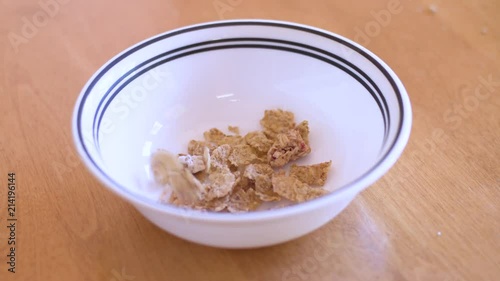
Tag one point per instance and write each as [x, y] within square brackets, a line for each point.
[434, 216]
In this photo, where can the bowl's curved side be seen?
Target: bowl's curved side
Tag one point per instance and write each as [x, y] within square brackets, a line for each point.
[294, 221]
[242, 235]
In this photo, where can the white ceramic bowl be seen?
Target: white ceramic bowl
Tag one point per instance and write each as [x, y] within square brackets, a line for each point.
[168, 89]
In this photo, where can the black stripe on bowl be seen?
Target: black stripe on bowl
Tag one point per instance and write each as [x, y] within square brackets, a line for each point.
[331, 55]
[283, 25]
[377, 95]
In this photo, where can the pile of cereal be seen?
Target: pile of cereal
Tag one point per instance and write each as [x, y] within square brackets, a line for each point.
[230, 172]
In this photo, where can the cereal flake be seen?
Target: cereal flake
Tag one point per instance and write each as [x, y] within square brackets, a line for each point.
[207, 159]
[254, 170]
[264, 189]
[214, 135]
[193, 163]
[242, 182]
[198, 147]
[214, 205]
[243, 201]
[242, 154]
[233, 140]
[234, 173]
[287, 147]
[303, 129]
[258, 141]
[311, 174]
[219, 184]
[219, 157]
[160, 163]
[186, 185]
[217, 137]
[168, 170]
[260, 175]
[277, 122]
[234, 129]
[293, 189]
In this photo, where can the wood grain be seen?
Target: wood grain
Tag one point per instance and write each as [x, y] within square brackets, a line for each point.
[434, 216]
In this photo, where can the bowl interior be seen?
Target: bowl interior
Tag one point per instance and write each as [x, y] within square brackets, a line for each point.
[170, 89]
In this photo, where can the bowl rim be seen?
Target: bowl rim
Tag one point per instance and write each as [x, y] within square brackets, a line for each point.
[365, 180]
